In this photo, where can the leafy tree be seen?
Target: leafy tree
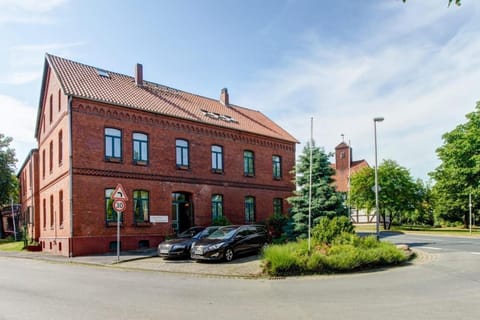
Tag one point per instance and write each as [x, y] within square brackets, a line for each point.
[457, 2]
[326, 202]
[398, 193]
[8, 184]
[423, 213]
[458, 175]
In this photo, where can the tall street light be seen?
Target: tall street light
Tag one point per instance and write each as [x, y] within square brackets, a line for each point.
[377, 212]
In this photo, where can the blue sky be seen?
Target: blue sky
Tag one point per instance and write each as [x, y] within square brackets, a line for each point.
[342, 62]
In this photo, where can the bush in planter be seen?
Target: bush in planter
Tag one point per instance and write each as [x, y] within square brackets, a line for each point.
[221, 221]
[328, 229]
[275, 224]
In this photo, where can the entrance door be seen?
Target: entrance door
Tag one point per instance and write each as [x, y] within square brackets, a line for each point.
[182, 211]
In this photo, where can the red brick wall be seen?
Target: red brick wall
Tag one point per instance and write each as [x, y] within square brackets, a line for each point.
[92, 174]
[29, 194]
[53, 172]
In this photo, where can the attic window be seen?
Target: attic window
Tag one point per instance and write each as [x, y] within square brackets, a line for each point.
[102, 73]
[218, 116]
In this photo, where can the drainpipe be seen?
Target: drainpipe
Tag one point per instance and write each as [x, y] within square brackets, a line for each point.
[70, 173]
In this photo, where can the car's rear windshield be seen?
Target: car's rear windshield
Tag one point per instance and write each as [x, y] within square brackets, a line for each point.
[223, 233]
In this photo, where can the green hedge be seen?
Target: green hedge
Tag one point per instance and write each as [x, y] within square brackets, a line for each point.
[347, 253]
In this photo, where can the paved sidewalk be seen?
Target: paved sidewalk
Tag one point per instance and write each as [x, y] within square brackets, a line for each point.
[241, 267]
[107, 259]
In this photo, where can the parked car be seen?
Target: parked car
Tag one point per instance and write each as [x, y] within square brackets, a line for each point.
[229, 241]
[180, 246]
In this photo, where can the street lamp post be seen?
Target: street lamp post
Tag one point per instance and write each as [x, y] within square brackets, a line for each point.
[377, 212]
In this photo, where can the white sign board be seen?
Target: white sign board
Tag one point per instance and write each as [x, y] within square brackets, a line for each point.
[159, 219]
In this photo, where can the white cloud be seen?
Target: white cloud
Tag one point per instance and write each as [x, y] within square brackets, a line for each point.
[25, 62]
[421, 85]
[17, 78]
[17, 120]
[28, 11]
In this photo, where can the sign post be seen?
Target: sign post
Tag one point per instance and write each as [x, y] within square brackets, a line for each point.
[119, 198]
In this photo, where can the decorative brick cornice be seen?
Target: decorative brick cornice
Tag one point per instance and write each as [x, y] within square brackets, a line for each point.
[161, 121]
[174, 179]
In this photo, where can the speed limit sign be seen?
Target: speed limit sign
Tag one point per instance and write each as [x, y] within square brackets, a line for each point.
[119, 205]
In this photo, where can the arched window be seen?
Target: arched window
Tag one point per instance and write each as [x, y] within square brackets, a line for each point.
[140, 205]
[59, 99]
[60, 208]
[113, 144]
[217, 159]
[182, 159]
[248, 163]
[140, 147]
[277, 167]
[249, 209]
[60, 148]
[217, 206]
[52, 217]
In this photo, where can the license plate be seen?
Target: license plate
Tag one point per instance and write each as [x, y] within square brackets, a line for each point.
[199, 251]
[163, 251]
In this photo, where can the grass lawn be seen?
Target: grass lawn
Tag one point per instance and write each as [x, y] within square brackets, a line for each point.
[6, 245]
[453, 231]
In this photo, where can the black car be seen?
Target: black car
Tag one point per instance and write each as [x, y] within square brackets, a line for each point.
[230, 241]
[180, 246]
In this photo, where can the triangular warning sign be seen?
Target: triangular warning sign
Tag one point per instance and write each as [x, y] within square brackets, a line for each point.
[119, 193]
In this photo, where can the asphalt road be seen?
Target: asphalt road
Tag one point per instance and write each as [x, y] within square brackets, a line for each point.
[468, 244]
[442, 284]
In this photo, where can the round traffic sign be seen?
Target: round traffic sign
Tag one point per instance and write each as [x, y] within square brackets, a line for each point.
[119, 205]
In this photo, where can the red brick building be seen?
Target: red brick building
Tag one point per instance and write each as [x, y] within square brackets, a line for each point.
[183, 159]
[29, 194]
[345, 167]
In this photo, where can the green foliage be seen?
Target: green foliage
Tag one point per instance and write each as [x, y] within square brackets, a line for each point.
[284, 259]
[328, 229]
[348, 253]
[276, 223]
[8, 181]
[221, 221]
[326, 202]
[458, 175]
[423, 215]
[399, 194]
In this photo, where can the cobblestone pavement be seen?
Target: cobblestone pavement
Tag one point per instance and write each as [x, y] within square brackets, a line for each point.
[244, 267]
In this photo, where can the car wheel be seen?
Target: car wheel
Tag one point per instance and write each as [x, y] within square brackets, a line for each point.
[228, 254]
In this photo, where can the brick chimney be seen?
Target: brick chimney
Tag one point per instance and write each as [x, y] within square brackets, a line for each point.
[139, 75]
[224, 97]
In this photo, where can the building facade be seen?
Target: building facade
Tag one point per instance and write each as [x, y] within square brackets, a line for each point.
[29, 194]
[345, 167]
[183, 160]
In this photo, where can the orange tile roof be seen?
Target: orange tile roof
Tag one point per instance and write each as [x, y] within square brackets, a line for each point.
[341, 176]
[83, 81]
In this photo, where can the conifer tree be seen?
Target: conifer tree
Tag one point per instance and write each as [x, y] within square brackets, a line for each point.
[326, 202]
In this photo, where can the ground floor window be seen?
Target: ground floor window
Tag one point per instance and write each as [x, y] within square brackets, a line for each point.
[110, 214]
[277, 206]
[249, 209]
[217, 206]
[140, 205]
